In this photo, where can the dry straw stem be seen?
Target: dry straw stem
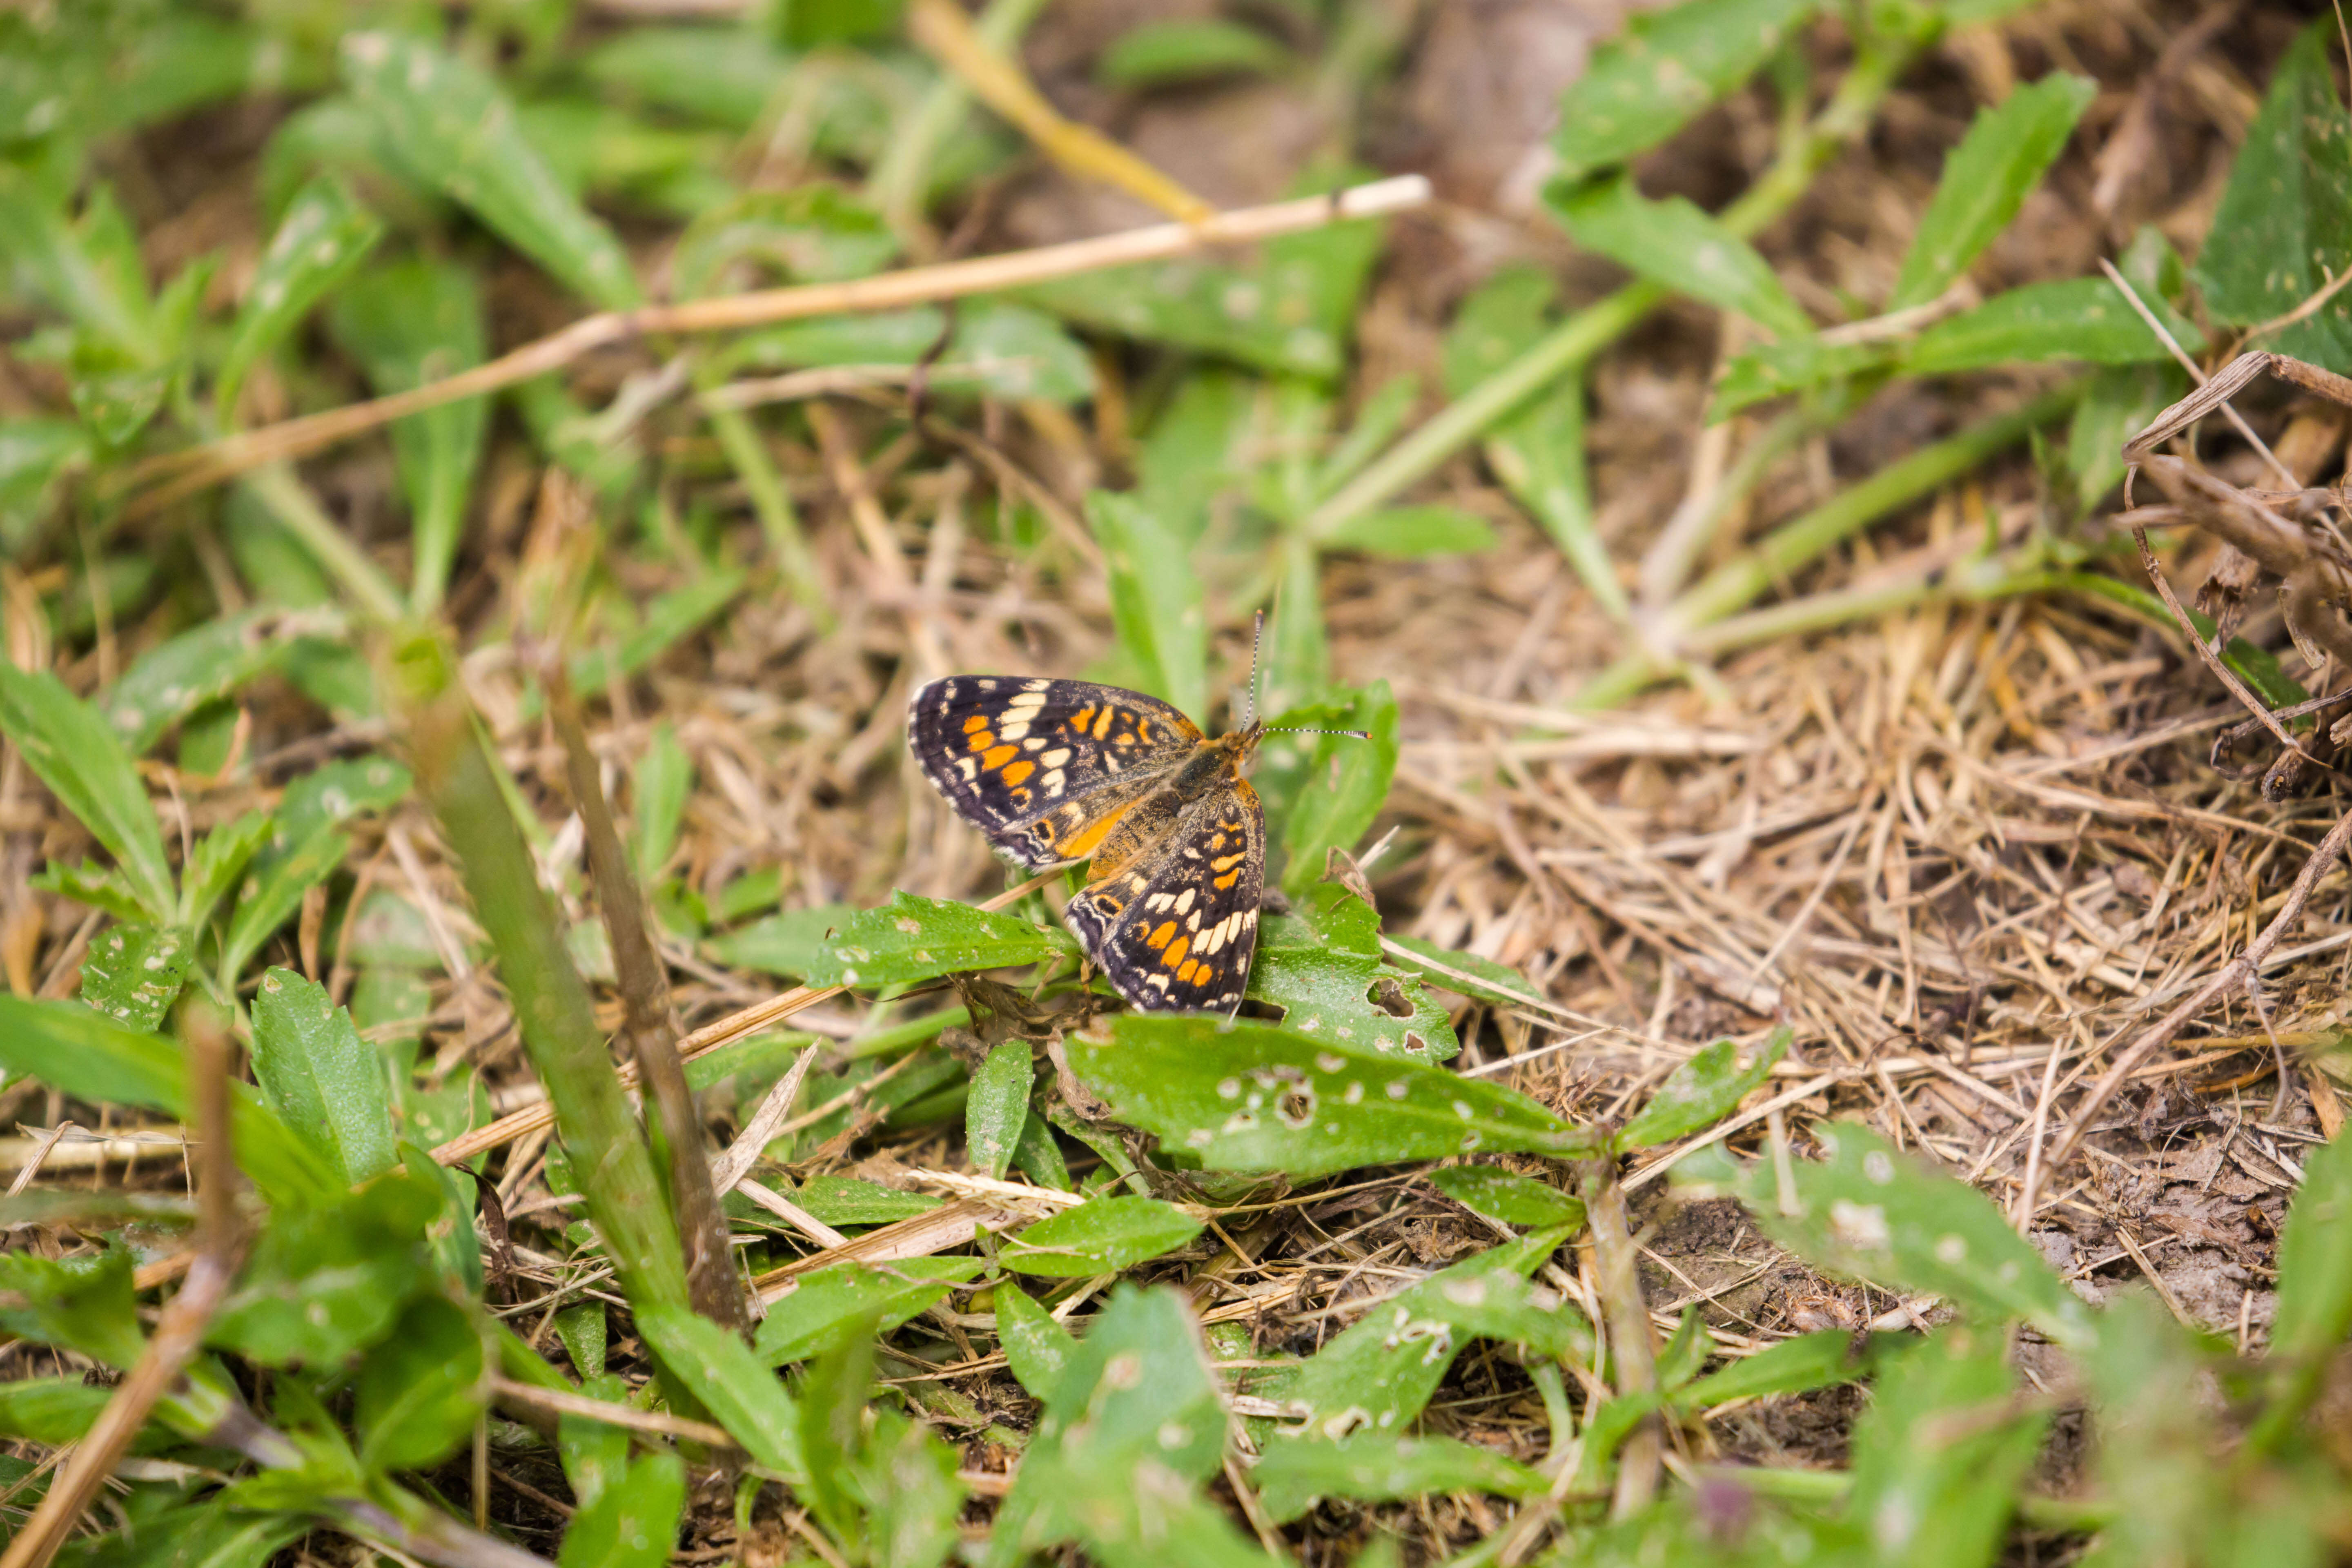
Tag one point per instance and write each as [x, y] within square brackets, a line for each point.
[943, 29]
[711, 1036]
[179, 1332]
[181, 474]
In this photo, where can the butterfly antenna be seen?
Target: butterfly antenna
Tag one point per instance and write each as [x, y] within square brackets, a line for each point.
[1257, 639]
[1359, 735]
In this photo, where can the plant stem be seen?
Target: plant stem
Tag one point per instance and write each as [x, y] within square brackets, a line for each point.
[1796, 543]
[551, 1007]
[298, 511]
[1585, 334]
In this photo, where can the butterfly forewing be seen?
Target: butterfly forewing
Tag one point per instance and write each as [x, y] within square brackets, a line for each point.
[1045, 768]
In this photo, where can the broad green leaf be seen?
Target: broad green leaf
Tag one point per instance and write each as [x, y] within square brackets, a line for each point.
[102, 888]
[1657, 75]
[1940, 1453]
[1794, 365]
[1038, 1347]
[82, 1303]
[788, 943]
[88, 271]
[274, 890]
[1039, 1158]
[2119, 403]
[134, 973]
[1986, 179]
[1796, 1365]
[583, 1329]
[832, 1404]
[74, 1050]
[115, 390]
[450, 124]
[407, 323]
[51, 1410]
[2284, 223]
[913, 937]
[732, 1384]
[1372, 1467]
[71, 749]
[1871, 1212]
[633, 1522]
[671, 618]
[1157, 53]
[998, 1107]
[1322, 968]
[1413, 532]
[2315, 1260]
[1347, 783]
[220, 858]
[1133, 1416]
[335, 794]
[1155, 600]
[319, 242]
[846, 1200]
[1251, 1097]
[596, 1454]
[1701, 1093]
[170, 680]
[214, 1534]
[1674, 243]
[720, 76]
[829, 1299]
[36, 456]
[328, 1278]
[1378, 1374]
[2074, 319]
[1101, 1235]
[417, 1394]
[664, 779]
[1463, 973]
[322, 1079]
[1514, 1200]
[916, 1499]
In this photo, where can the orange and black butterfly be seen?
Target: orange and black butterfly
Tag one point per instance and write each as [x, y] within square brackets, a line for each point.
[1060, 770]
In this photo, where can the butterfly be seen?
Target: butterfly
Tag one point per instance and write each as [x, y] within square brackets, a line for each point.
[1056, 772]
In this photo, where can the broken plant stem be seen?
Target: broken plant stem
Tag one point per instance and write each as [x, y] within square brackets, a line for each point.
[650, 1022]
[180, 474]
[1580, 336]
[2212, 660]
[1633, 1357]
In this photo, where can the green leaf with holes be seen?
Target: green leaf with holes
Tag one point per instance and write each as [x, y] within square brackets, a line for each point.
[1869, 1211]
[998, 1107]
[1251, 1097]
[912, 938]
[1380, 1371]
[1322, 968]
[327, 1083]
[1101, 1235]
[134, 973]
[319, 242]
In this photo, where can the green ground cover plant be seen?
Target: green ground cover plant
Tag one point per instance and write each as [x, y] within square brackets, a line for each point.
[434, 1234]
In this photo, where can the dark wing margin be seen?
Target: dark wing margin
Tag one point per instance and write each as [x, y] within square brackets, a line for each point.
[1008, 751]
[1177, 934]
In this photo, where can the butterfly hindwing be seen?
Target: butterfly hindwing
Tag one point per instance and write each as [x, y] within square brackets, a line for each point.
[1045, 768]
[1172, 916]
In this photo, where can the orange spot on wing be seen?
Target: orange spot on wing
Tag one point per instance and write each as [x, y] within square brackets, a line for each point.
[1192, 967]
[1159, 938]
[1102, 722]
[981, 741]
[1079, 720]
[1228, 880]
[1223, 862]
[1000, 756]
[1176, 951]
[1091, 838]
[977, 721]
[1018, 772]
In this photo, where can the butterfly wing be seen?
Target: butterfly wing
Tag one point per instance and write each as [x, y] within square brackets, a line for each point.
[1174, 923]
[1045, 768]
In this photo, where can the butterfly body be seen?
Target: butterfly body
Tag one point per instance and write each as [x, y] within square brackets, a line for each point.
[1061, 771]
